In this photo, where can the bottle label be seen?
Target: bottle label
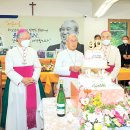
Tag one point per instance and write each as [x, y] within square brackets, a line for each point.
[61, 109]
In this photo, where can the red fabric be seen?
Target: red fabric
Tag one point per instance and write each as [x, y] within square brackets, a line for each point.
[72, 75]
[31, 103]
[110, 69]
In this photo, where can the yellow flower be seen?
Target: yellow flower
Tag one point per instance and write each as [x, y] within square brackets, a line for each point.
[97, 100]
[97, 126]
[129, 102]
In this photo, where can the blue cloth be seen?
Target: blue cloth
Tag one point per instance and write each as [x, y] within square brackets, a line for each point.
[120, 128]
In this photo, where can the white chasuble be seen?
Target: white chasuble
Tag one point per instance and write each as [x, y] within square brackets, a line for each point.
[64, 60]
[16, 112]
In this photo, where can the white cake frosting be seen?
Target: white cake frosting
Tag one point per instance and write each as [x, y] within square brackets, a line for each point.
[94, 67]
[94, 82]
[95, 59]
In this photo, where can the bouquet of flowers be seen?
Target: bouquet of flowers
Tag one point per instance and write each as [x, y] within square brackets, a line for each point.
[47, 67]
[99, 116]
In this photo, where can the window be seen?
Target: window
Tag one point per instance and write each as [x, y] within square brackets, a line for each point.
[118, 29]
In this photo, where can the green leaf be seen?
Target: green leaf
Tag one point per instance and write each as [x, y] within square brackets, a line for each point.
[128, 87]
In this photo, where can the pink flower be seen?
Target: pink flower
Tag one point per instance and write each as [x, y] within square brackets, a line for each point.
[128, 111]
[117, 115]
[129, 83]
[97, 110]
[119, 118]
[126, 117]
[112, 113]
[107, 112]
[81, 121]
[127, 106]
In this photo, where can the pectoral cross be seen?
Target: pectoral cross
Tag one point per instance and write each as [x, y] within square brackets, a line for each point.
[32, 4]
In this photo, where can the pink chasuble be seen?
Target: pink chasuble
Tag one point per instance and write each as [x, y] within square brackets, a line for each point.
[31, 102]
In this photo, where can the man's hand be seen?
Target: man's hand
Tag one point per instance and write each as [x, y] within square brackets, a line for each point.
[126, 57]
[75, 68]
[27, 81]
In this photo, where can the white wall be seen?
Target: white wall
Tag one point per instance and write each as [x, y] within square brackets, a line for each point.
[94, 26]
[71, 8]
[46, 7]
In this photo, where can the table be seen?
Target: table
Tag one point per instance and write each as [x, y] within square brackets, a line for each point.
[124, 74]
[48, 78]
[52, 122]
[50, 118]
[51, 77]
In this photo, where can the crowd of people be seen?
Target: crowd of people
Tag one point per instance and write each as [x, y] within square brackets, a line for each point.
[23, 68]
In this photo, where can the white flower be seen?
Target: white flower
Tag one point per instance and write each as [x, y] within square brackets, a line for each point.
[84, 101]
[99, 117]
[128, 123]
[104, 128]
[92, 117]
[107, 120]
[88, 126]
[85, 113]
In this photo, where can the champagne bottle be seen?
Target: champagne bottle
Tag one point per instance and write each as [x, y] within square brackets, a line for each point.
[61, 101]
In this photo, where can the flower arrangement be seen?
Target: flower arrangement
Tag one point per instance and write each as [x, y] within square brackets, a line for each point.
[47, 67]
[99, 116]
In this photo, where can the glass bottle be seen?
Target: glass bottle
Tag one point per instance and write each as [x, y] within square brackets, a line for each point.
[61, 101]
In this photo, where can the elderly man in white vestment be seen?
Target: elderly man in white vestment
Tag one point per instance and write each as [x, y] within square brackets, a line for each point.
[23, 68]
[68, 63]
[112, 55]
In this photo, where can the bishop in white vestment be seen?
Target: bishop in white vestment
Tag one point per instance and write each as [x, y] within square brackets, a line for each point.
[23, 68]
[112, 55]
[68, 63]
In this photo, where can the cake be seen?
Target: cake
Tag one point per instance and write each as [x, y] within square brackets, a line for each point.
[94, 69]
[95, 79]
[95, 59]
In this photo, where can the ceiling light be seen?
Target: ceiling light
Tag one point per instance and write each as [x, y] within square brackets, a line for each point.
[104, 7]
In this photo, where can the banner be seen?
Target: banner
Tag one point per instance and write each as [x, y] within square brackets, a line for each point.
[44, 31]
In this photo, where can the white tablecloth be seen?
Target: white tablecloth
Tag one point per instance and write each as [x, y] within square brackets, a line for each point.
[50, 119]
[52, 122]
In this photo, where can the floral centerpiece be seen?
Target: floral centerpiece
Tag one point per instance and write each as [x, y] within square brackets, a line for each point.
[47, 67]
[98, 116]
